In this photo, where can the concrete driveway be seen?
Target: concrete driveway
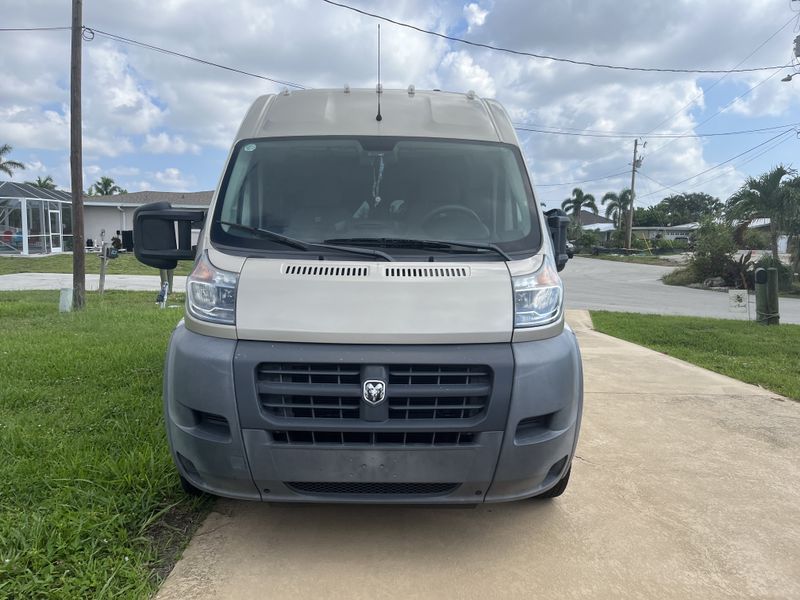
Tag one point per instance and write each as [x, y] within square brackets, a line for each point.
[597, 284]
[685, 485]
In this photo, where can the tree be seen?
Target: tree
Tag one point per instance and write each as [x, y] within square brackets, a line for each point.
[690, 208]
[47, 183]
[652, 216]
[767, 197]
[105, 186]
[617, 206]
[577, 203]
[792, 221]
[9, 166]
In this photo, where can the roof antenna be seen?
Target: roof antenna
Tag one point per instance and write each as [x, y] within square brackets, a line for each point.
[379, 88]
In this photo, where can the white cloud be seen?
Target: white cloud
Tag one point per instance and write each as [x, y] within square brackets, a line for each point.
[173, 180]
[163, 143]
[141, 186]
[115, 94]
[475, 15]
[462, 73]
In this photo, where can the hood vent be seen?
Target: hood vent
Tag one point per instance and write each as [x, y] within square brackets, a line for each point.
[327, 270]
[426, 272]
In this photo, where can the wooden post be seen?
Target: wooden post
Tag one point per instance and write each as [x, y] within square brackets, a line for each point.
[629, 223]
[103, 264]
[76, 162]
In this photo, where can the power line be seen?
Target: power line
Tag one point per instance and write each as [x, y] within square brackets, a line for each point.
[540, 185]
[724, 162]
[612, 134]
[118, 38]
[737, 165]
[721, 110]
[545, 56]
[2, 29]
[741, 62]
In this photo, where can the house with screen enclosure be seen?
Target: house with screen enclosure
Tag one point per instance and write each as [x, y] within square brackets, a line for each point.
[34, 220]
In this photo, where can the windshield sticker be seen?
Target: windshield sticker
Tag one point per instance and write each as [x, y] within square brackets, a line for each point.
[249, 147]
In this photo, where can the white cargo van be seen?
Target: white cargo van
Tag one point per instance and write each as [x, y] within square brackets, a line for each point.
[375, 312]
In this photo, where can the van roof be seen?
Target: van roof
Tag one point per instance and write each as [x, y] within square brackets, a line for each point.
[406, 113]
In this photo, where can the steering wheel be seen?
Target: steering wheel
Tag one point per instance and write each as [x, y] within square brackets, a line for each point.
[463, 210]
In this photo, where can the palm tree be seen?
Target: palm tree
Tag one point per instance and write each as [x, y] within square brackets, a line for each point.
[47, 183]
[105, 186]
[9, 166]
[768, 197]
[577, 203]
[618, 205]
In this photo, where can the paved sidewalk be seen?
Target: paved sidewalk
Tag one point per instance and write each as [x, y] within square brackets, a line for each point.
[684, 486]
[55, 281]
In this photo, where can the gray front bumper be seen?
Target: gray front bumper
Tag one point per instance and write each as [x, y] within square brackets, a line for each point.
[523, 444]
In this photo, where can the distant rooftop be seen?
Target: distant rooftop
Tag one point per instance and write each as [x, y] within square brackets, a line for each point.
[202, 199]
[12, 189]
[589, 218]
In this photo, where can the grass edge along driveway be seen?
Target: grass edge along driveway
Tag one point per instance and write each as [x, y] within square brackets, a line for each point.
[90, 504]
[767, 356]
[124, 264]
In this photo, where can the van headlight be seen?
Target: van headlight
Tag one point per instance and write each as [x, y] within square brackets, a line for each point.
[211, 293]
[538, 296]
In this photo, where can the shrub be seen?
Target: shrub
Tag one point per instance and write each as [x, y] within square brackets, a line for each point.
[681, 276]
[665, 245]
[617, 239]
[784, 271]
[713, 250]
[586, 241]
[754, 239]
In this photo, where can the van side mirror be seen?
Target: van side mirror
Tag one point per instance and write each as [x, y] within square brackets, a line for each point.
[162, 235]
[557, 222]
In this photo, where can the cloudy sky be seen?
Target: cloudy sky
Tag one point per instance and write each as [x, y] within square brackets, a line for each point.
[153, 121]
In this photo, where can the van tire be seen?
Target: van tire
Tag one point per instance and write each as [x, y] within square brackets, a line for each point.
[190, 489]
[557, 489]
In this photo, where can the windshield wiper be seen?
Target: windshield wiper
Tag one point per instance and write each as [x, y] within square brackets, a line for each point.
[301, 245]
[416, 243]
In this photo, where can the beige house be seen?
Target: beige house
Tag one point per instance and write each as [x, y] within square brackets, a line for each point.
[105, 215]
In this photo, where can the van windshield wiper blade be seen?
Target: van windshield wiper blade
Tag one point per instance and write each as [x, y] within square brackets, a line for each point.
[301, 245]
[417, 243]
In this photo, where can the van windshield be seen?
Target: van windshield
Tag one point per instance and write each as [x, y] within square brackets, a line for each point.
[376, 192]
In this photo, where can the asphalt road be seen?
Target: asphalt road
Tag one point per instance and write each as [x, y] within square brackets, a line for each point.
[596, 284]
[684, 486]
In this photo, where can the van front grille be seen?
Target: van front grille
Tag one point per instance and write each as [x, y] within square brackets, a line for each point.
[370, 488]
[310, 391]
[438, 392]
[374, 438]
[333, 391]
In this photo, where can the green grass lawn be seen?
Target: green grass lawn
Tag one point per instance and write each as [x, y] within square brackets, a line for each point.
[126, 264]
[634, 258]
[766, 356]
[90, 505]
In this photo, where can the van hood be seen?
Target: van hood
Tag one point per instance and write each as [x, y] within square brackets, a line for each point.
[374, 303]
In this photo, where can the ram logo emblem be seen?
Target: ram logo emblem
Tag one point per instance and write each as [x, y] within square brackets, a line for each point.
[374, 391]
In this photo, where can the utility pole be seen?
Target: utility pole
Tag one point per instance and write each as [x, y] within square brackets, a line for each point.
[76, 161]
[637, 162]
